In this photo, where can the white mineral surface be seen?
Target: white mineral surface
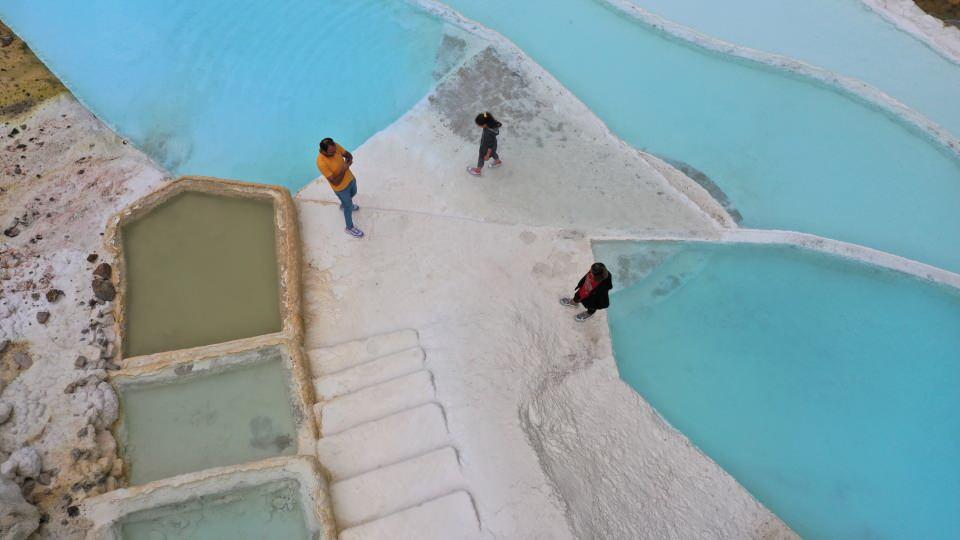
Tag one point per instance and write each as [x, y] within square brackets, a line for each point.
[553, 443]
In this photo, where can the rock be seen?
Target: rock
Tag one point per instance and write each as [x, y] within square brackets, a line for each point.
[43, 317]
[92, 257]
[103, 289]
[73, 511]
[80, 362]
[6, 410]
[100, 404]
[54, 294]
[22, 359]
[23, 463]
[18, 518]
[4, 343]
[11, 232]
[13, 133]
[103, 271]
[108, 351]
[35, 296]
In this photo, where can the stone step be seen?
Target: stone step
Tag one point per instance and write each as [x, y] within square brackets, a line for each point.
[327, 360]
[449, 517]
[384, 491]
[375, 371]
[374, 402]
[383, 442]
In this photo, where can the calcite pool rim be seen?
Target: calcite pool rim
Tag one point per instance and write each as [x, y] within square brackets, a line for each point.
[287, 239]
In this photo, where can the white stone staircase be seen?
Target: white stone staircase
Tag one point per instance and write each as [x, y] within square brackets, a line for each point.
[384, 441]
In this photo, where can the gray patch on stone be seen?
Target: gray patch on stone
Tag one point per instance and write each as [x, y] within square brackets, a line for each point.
[183, 369]
[708, 184]
[103, 289]
[486, 83]
[22, 360]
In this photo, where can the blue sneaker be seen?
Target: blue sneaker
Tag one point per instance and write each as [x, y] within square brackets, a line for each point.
[354, 232]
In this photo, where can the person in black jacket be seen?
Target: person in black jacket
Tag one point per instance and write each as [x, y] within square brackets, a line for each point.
[593, 292]
[488, 143]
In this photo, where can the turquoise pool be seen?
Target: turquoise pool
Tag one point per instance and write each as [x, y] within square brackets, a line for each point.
[826, 387]
[240, 89]
[844, 36]
[790, 154]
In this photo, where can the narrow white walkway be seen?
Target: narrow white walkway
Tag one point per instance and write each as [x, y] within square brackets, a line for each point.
[384, 441]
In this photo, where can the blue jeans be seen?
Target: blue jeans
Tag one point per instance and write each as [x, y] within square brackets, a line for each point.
[346, 199]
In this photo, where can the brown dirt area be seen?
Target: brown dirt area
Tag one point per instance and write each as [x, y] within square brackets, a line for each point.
[947, 11]
[24, 80]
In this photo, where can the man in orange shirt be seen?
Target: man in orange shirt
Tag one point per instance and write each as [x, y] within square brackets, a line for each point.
[334, 163]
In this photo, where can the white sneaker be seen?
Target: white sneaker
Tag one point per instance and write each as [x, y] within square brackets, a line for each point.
[583, 316]
[354, 232]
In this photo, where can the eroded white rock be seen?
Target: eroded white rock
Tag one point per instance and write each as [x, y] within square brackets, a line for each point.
[6, 410]
[23, 463]
[100, 404]
[18, 518]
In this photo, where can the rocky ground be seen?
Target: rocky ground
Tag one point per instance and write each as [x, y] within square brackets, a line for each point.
[62, 175]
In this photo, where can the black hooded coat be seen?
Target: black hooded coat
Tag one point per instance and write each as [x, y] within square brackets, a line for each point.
[600, 295]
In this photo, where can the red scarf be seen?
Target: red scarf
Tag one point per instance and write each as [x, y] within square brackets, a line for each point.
[590, 282]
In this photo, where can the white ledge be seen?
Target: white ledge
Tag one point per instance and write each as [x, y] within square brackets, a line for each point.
[863, 254]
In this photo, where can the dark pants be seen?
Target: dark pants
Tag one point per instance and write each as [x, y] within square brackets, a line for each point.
[575, 301]
[483, 154]
[346, 199]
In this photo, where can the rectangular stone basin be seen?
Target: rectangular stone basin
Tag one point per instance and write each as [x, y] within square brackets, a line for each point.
[223, 410]
[200, 269]
[282, 498]
[272, 510]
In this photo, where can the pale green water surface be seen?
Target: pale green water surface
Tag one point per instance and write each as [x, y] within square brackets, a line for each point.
[211, 419]
[268, 511]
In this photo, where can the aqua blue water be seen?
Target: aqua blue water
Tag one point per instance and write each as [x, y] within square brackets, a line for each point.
[267, 511]
[827, 388]
[239, 89]
[789, 154]
[844, 36]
